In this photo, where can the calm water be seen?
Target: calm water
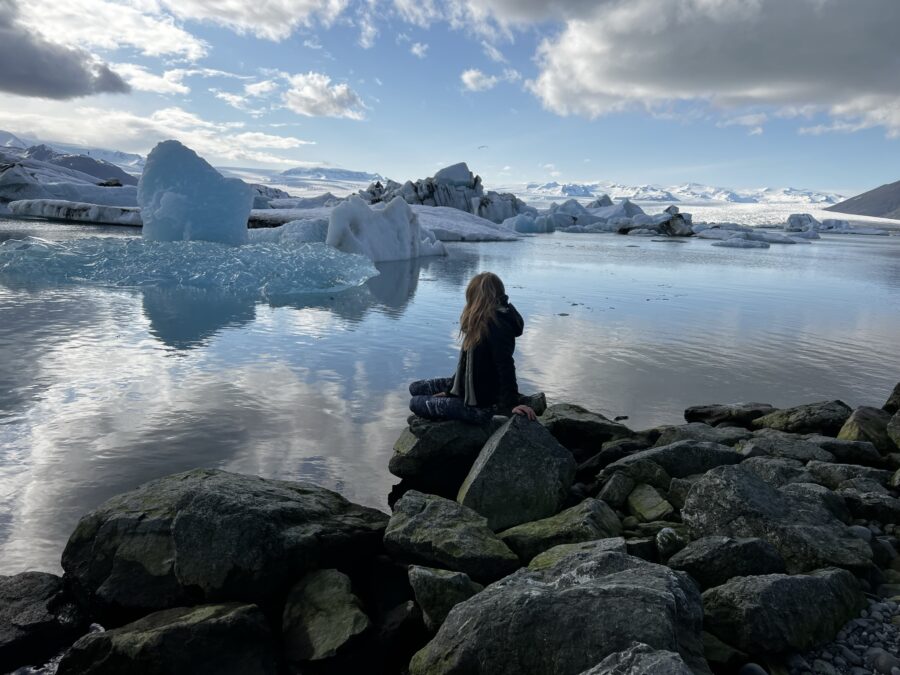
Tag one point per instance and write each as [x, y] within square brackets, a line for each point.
[101, 390]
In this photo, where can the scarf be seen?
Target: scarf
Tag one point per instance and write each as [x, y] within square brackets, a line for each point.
[464, 379]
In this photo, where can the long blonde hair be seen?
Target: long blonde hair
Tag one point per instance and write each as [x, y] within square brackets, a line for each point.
[484, 295]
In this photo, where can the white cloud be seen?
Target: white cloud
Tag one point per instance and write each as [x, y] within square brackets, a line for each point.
[475, 80]
[367, 31]
[313, 95]
[419, 50]
[255, 139]
[492, 52]
[312, 43]
[260, 88]
[170, 82]
[418, 12]
[111, 25]
[838, 58]
[753, 121]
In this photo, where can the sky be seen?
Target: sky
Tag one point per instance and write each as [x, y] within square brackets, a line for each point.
[735, 93]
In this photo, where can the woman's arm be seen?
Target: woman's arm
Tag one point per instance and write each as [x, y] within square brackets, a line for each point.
[503, 343]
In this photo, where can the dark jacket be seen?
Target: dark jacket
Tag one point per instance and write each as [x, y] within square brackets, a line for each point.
[493, 367]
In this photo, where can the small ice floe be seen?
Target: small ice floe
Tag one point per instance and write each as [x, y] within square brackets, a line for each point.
[738, 242]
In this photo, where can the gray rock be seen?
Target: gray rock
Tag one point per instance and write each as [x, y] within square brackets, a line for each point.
[37, 619]
[732, 415]
[438, 454]
[546, 612]
[641, 659]
[522, 474]
[785, 446]
[719, 654]
[639, 470]
[869, 424]
[680, 459]
[580, 430]
[872, 505]
[697, 431]
[669, 542]
[732, 501]
[226, 639]
[616, 490]
[713, 560]
[892, 405]
[321, 617]
[439, 591]
[848, 452]
[430, 530]
[893, 429]
[820, 496]
[825, 417]
[679, 488]
[575, 553]
[646, 504]
[778, 471]
[609, 453]
[210, 535]
[776, 612]
[832, 475]
[589, 520]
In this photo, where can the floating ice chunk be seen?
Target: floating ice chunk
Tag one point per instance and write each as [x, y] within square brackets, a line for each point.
[624, 209]
[263, 270]
[801, 222]
[450, 224]
[390, 233]
[600, 202]
[299, 231]
[772, 238]
[34, 179]
[835, 224]
[76, 211]
[718, 233]
[740, 242]
[326, 199]
[456, 174]
[809, 234]
[528, 224]
[183, 198]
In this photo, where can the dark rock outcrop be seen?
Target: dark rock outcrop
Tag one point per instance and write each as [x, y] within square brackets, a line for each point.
[825, 417]
[680, 459]
[769, 443]
[439, 591]
[697, 431]
[892, 405]
[733, 414]
[869, 424]
[580, 430]
[714, 560]
[849, 452]
[641, 659]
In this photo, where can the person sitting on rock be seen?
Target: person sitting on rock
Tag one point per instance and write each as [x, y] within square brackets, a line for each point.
[485, 381]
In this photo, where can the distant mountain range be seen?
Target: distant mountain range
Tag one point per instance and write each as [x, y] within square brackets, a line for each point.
[330, 173]
[882, 202]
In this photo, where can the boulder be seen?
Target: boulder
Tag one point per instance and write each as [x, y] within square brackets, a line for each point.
[679, 488]
[580, 430]
[697, 431]
[430, 530]
[522, 474]
[819, 496]
[893, 429]
[892, 405]
[680, 459]
[732, 501]
[641, 659]
[207, 535]
[436, 456]
[848, 452]
[223, 639]
[610, 452]
[730, 415]
[832, 475]
[589, 520]
[778, 471]
[646, 504]
[639, 470]
[783, 445]
[871, 505]
[582, 551]
[37, 619]
[322, 618]
[559, 620]
[439, 591]
[824, 417]
[616, 490]
[713, 560]
[869, 424]
[776, 612]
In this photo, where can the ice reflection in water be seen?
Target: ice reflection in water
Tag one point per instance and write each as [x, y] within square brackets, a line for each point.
[101, 390]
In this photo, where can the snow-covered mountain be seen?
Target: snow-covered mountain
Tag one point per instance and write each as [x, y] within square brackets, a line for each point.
[329, 173]
[129, 161]
[9, 140]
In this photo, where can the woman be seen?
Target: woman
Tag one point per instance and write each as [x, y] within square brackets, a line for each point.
[485, 381]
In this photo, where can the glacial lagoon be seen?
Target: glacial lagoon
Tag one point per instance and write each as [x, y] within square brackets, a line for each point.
[102, 389]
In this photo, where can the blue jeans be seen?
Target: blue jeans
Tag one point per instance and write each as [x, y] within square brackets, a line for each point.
[425, 404]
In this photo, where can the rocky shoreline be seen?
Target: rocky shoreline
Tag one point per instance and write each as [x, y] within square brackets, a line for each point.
[748, 540]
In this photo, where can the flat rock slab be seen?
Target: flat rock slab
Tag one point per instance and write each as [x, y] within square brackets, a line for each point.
[226, 639]
[848, 452]
[437, 532]
[580, 430]
[522, 474]
[572, 553]
[602, 605]
[729, 414]
[37, 619]
[712, 561]
[647, 504]
[832, 475]
[589, 520]
[778, 471]
[641, 659]
[869, 424]
[788, 446]
[438, 591]
[697, 431]
[776, 612]
[209, 535]
[732, 501]
[680, 459]
[824, 417]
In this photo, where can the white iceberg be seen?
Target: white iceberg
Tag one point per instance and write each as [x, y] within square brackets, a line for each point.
[528, 224]
[25, 178]
[280, 216]
[624, 209]
[449, 224]
[740, 242]
[311, 230]
[182, 197]
[801, 222]
[76, 211]
[389, 233]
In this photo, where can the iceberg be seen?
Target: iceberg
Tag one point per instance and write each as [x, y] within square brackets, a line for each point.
[454, 225]
[740, 242]
[182, 197]
[389, 233]
[801, 222]
[601, 201]
[624, 209]
[76, 211]
[310, 230]
[528, 224]
[34, 179]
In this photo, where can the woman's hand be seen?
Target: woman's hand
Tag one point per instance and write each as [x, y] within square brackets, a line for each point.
[525, 410]
[440, 394]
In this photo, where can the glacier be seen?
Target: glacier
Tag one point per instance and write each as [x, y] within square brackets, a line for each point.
[182, 197]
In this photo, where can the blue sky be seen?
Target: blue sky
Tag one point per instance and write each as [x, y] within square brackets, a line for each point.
[738, 93]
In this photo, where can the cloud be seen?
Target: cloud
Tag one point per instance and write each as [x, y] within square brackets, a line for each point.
[262, 88]
[492, 52]
[838, 57]
[254, 139]
[170, 82]
[367, 31]
[34, 66]
[754, 122]
[111, 25]
[418, 12]
[419, 50]
[313, 95]
[474, 80]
